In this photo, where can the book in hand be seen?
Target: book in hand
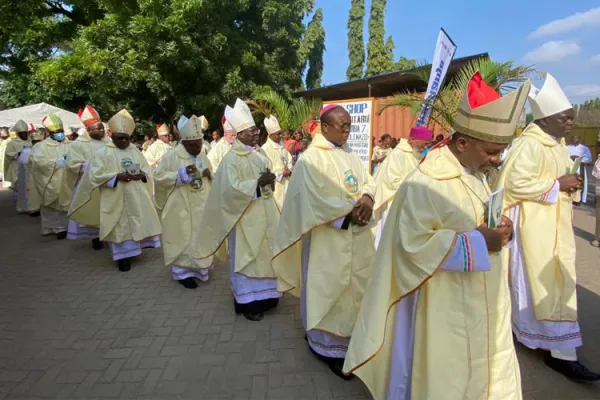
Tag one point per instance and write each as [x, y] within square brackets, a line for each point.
[576, 165]
[495, 209]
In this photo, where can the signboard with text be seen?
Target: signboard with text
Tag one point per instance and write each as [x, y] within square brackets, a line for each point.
[361, 112]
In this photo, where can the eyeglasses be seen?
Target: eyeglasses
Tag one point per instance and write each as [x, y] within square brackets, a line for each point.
[341, 128]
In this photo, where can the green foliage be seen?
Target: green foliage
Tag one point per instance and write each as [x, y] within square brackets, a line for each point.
[314, 49]
[356, 45]
[378, 60]
[502, 76]
[294, 114]
[588, 113]
[157, 58]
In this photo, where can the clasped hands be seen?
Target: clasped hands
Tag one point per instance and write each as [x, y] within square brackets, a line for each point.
[268, 178]
[125, 177]
[570, 183]
[362, 211]
[192, 169]
[497, 238]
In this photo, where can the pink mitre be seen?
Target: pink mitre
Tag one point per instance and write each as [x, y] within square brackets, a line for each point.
[421, 133]
[328, 108]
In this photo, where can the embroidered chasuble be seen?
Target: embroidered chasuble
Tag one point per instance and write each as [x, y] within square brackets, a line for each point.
[126, 211]
[453, 337]
[326, 184]
[233, 204]
[182, 206]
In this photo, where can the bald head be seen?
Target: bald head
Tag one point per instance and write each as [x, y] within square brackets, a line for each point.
[336, 125]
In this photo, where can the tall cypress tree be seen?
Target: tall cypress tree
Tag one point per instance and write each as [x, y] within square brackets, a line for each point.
[356, 44]
[315, 42]
[378, 60]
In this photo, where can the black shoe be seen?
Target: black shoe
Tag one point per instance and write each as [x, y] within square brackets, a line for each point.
[97, 244]
[571, 369]
[254, 316]
[189, 283]
[35, 214]
[124, 264]
[61, 235]
[336, 365]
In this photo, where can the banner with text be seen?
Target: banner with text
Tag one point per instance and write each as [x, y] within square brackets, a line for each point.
[443, 55]
[361, 112]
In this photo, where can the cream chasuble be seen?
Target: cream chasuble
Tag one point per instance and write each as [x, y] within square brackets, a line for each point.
[125, 212]
[11, 167]
[326, 184]
[182, 207]
[156, 152]
[217, 153]
[280, 159]
[24, 203]
[49, 174]
[453, 340]
[232, 204]
[547, 241]
[3, 145]
[388, 177]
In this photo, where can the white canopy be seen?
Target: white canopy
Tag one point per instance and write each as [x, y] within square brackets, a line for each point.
[34, 114]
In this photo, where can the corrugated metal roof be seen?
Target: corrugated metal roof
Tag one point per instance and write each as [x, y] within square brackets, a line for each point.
[382, 85]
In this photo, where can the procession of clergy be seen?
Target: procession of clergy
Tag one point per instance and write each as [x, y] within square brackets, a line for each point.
[402, 283]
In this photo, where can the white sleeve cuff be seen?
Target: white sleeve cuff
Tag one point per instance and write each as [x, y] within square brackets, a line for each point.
[510, 244]
[60, 162]
[112, 183]
[338, 223]
[279, 177]
[551, 196]
[183, 177]
[84, 167]
[470, 254]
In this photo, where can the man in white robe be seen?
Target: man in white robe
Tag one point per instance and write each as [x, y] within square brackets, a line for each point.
[11, 153]
[433, 321]
[240, 209]
[281, 159]
[538, 192]
[394, 169]
[48, 176]
[218, 151]
[576, 149]
[182, 183]
[125, 212]
[160, 147]
[79, 156]
[25, 203]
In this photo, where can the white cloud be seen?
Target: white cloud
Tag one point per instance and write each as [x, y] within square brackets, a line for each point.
[595, 60]
[577, 93]
[568, 24]
[552, 51]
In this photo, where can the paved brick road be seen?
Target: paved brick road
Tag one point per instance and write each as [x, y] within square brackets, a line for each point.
[73, 327]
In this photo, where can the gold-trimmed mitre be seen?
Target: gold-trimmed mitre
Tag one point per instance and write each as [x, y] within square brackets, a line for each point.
[486, 115]
[122, 122]
[192, 129]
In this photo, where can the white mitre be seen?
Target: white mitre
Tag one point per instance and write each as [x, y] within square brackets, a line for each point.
[182, 121]
[272, 125]
[241, 116]
[227, 127]
[549, 100]
[191, 130]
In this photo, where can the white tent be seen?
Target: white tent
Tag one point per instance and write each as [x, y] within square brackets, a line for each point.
[34, 114]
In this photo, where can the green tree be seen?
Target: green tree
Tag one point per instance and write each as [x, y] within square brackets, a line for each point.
[158, 58]
[314, 49]
[292, 114]
[356, 44]
[378, 60]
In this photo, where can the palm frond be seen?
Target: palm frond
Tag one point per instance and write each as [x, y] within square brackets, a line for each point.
[291, 115]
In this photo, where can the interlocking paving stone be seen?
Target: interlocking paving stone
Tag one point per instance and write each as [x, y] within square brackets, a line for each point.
[72, 326]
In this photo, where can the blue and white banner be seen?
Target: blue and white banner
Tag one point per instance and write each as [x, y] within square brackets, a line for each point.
[444, 53]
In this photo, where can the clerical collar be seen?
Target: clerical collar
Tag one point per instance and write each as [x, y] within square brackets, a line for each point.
[331, 145]
[251, 148]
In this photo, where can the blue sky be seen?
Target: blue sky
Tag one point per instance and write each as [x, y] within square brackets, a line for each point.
[555, 35]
